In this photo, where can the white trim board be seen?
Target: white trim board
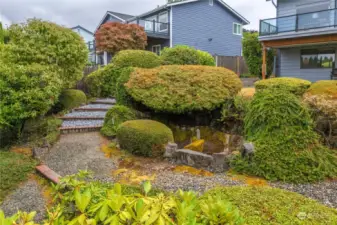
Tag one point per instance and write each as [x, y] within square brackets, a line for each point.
[171, 26]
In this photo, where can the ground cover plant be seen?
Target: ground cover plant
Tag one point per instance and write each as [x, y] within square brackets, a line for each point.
[180, 89]
[14, 168]
[287, 148]
[79, 201]
[144, 137]
[294, 85]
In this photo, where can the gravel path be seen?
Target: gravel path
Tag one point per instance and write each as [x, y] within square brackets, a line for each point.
[26, 198]
[98, 106]
[75, 123]
[80, 151]
[86, 114]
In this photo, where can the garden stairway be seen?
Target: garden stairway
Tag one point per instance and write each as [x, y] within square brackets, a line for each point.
[87, 118]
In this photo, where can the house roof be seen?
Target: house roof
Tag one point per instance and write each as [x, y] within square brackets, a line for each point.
[78, 26]
[120, 15]
[159, 8]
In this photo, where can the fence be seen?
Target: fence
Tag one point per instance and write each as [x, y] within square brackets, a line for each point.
[235, 63]
[87, 70]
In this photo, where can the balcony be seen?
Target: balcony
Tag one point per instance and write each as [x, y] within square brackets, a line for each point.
[153, 28]
[319, 20]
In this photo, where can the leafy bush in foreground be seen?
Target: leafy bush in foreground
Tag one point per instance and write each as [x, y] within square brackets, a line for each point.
[78, 201]
[180, 89]
[136, 58]
[287, 148]
[116, 116]
[70, 99]
[294, 85]
[144, 137]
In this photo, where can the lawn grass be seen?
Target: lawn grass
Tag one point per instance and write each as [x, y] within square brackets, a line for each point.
[14, 168]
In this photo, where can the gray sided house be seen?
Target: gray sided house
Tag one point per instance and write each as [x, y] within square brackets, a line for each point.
[208, 25]
[88, 38]
[304, 33]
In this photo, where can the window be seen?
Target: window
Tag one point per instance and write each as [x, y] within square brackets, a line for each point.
[314, 58]
[237, 29]
[163, 22]
[149, 23]
[211, 2]
[156, 49]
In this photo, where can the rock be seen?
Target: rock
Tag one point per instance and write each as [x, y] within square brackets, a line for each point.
[40, 153]
[170, 150]
[192, 158]
[248, 149]
[197, 146]
[220, 162]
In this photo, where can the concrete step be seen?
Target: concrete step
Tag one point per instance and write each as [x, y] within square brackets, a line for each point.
[64, 118]
[104, 101]
[91, 109]
[79, 129]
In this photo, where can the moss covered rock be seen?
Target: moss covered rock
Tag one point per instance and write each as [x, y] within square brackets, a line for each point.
[144, 137]
[180, 89]
[116, 116]
[294, 85]
[326, 88]
[70, 99]
[136, 58]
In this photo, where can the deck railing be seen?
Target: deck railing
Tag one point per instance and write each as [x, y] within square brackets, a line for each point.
[299, 22]
[153, 27]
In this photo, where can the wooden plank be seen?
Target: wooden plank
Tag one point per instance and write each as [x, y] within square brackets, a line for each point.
[48, 173]
[264, 62]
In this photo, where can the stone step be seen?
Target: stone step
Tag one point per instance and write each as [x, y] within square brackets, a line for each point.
[79, 129]
[104, 101]
[90, 109]
[48, 173]
[81, 118]
[81, 123]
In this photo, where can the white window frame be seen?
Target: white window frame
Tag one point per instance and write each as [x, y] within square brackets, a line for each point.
[211, 2]
[240, 31]
[155, 49]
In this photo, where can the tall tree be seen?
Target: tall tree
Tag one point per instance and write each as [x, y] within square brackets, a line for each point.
[113, 37]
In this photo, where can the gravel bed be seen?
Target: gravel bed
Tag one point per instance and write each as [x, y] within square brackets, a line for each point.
[99, 106]
[26, 198]
[324, 192]
[78, 123]
[86, 114]
[171, 181]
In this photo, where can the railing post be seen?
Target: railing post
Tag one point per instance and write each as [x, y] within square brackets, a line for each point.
[296, 28]
[264, 61]
[154, 26]
[137, 21]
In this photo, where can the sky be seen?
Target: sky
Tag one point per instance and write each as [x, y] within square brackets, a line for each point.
[88, 13]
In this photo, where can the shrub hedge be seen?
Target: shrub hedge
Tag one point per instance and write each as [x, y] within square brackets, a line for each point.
[144, 137]
[186, 55]
[136, 58]
[294, 85]
[122, 96]
[116, 116]
[328, 88]
[180, 89]
[287, 148]
[70, 99]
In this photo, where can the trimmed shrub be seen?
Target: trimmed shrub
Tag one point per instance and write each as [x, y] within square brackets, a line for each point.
[294, 85]
[102, 83]
[136, 58]
[180, 89]
[144, 137]
[287, 148]
[122, 96]
[70, 99]
[180, 55]
[205, 58]
[116, 116]
[326, 88]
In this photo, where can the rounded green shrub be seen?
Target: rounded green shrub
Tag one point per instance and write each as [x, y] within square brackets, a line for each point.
[71, 98]
[205, 58]
[122, 96]
[266, 205]
[287, 148]
[327, 88]
[180, 89]
[144, 137]
[294, 85]
[136, 58]
[102, 83]
[180, 55]
[116, 116]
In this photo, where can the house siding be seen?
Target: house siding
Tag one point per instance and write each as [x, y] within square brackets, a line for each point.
[205, 27]
[291, 66]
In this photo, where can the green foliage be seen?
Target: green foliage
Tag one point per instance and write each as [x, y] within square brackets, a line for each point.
[122, 96]
[265, 205]
[144, 137]
[102, 83]
[293, 85]
[46, 43]
[70, 99]
[14, 168]
[186, 55]
[116, 116]
[26, 92]
[326, 88]
[252, 52]
[2, 34]
[136, 58]
[287, 148]
[180, 89]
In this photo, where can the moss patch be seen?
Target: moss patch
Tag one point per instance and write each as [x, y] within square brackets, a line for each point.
[327, 88]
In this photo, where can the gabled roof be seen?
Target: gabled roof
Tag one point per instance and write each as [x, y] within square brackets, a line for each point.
[80, 27]
[120, 15]
[159, 8]
[220, 1]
